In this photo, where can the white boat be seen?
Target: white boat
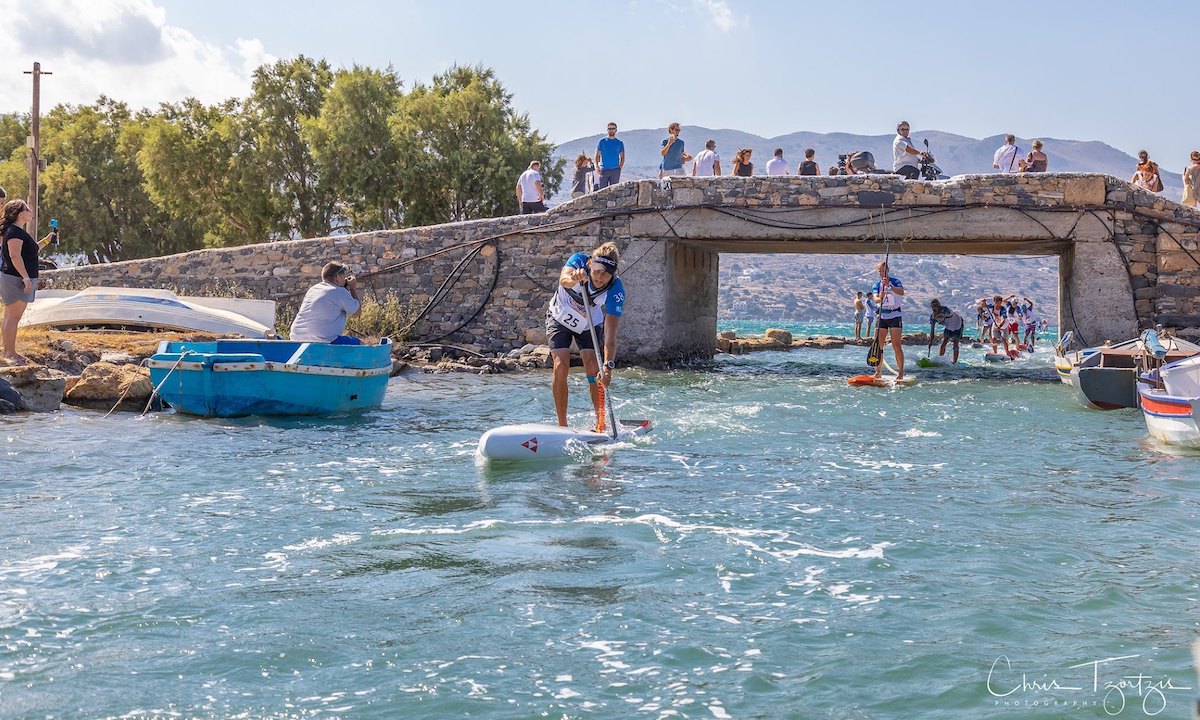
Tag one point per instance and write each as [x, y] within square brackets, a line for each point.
[1169, 398]
[537, 441]
[145, 309]
[1065, 359]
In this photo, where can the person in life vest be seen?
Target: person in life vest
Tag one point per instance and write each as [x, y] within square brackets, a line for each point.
[568, 316]
[888, 291]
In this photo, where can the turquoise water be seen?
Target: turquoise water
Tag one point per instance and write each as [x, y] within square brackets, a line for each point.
[781, 546]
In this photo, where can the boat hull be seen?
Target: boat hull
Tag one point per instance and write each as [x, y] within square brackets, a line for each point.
[1169, 418]
[235, 378]
[1105, 388]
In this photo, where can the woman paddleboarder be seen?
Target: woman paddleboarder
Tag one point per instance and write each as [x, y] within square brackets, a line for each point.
[888, 291]
[567, 322]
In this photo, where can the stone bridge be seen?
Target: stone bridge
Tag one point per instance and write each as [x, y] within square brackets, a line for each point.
[1128, 259]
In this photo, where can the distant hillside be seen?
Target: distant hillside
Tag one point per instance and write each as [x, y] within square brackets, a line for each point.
[956, 154]
[822, 287]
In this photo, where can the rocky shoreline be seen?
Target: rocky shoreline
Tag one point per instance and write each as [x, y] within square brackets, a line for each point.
[104, 371]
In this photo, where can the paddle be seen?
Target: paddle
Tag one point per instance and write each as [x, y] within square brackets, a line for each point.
[611, 422]
[932, 325]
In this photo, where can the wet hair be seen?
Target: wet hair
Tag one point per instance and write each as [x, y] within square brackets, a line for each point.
[331, 270]
[12, 210]
[935, 303]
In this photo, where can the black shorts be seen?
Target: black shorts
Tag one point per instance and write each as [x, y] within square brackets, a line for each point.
[896, 322]
[529, 208]
[560, 337]
[952, 334]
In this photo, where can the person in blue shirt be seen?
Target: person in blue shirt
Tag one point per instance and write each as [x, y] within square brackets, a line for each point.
[610, 158]
[888, 291]
[673, 154]
[567, 322]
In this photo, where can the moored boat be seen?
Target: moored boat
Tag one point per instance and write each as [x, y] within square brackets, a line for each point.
[233, 378]
[1106, 377]
[148, 309]
[1169, 398]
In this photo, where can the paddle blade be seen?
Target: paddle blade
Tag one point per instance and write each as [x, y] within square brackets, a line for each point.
[874, 355]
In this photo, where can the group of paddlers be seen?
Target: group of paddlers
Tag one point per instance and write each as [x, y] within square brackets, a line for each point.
[1008, 322]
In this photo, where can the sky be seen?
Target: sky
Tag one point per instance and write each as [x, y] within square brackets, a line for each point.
[1121, 72]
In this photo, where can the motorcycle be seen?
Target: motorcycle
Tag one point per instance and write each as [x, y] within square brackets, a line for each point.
[927, 167]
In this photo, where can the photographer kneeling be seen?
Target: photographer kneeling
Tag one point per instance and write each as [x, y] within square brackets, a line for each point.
[326, 308]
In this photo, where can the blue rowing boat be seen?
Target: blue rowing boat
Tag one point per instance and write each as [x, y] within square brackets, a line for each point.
[233, 378]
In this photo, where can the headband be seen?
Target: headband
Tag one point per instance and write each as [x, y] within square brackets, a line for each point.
[609, 264]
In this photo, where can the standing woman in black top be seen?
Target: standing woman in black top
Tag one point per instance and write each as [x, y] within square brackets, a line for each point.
[18, 272]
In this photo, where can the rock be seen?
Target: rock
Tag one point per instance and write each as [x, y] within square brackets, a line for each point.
[727, 335]
[41, 388]
[118, 358]
[104, 383]
[435, 355]
[782, 336]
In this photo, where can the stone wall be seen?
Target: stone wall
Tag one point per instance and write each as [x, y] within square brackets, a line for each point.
[1129, 258]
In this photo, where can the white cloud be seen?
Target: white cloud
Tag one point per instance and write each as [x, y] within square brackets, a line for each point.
[124, 49]
[721, 15]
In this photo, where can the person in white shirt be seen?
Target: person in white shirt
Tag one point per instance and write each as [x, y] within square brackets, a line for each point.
[707, 162]
[326, 308]
[904, 156]
[529, 190]
[777, 165]
[1008, 156]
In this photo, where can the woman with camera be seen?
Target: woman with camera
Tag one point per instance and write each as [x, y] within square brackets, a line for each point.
[18, 272]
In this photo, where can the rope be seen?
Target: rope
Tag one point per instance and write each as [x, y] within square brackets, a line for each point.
[154, 392]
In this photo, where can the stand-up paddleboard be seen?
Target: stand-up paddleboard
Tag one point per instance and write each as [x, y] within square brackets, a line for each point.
[930, 362]
[533, 441]
[997, 357]
[881, 381]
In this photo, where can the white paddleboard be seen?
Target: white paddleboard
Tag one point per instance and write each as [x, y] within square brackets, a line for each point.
[533, 441]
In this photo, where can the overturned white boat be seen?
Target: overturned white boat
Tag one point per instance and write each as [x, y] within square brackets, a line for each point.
[145, 309]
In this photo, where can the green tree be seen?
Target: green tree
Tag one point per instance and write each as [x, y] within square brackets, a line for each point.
[356, 155]
[466, 146]
[92, 185]
[282, 96]
[201, 166]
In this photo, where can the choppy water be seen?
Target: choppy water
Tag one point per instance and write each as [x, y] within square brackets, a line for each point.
[781, 546]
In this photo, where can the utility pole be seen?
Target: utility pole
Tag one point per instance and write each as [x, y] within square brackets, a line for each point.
[35, 147]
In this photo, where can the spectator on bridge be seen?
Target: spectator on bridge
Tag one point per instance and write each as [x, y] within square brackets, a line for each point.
[708, 162]
[1036, 160]
[530, 195]
[569, 316]
[1191, 180]
[610, 158]
[777, 165]
[742, 166]
[905, 157]
[1146, 176]
[582, 182]
[326, 308]
[809, 166]
[833, 169]
[1007, 157]
[673, 153]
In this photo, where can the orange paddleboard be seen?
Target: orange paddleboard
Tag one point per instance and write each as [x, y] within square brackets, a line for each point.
[859, 380]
